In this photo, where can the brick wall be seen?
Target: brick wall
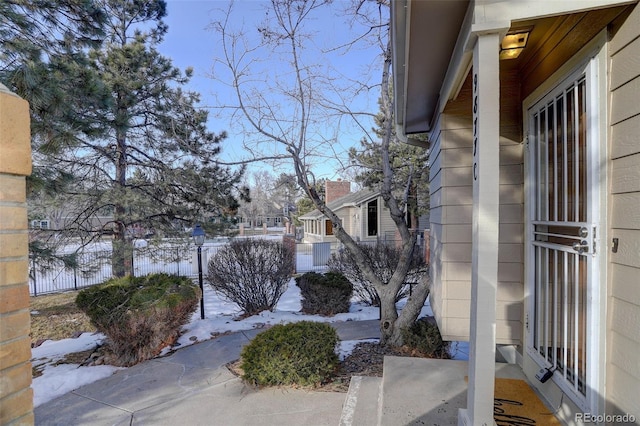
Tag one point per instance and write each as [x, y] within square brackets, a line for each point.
[336, 189]
[16, 397]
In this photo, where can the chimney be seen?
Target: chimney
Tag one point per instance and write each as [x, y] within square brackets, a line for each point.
[336, 189]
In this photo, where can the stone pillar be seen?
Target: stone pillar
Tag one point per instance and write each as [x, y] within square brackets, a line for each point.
[289, 241]
[427, 246]
[16, 396]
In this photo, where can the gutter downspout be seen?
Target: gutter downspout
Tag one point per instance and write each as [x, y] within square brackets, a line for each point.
[402, 137]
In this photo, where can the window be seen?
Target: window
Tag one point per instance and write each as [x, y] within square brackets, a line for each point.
[40, 224]
[372, 218]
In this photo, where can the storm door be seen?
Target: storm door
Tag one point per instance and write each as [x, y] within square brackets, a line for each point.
[562, 235]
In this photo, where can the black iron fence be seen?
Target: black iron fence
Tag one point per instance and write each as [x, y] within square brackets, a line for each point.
[94, 267]
[52, 276]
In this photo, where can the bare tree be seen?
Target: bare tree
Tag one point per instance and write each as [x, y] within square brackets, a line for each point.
[308, 90]
[256, 210]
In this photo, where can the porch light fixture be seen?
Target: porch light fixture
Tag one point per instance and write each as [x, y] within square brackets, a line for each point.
[198, 238]
[514, 43]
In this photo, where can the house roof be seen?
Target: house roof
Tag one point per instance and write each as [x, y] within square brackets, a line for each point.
[432, 43]
[353, 199]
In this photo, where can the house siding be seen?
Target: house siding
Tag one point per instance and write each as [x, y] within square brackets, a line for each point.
[623, 298]
[347, 220]
[451, 212]
[386, 224]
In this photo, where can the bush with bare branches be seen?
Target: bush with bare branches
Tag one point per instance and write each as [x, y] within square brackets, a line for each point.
[252, 273]
[383, 259]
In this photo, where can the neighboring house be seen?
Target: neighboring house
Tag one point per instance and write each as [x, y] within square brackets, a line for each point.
[58, 220]
[533, 115]
[65, 219]
[363, 215]
[266, 213]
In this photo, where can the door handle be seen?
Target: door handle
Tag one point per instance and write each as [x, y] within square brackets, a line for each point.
[581, 246]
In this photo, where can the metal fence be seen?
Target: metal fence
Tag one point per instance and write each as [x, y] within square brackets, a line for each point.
[53, 276]
[94, 267]
[313, 256]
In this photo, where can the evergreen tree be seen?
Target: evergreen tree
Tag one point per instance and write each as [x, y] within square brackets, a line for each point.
[43, 59]
[142, 156]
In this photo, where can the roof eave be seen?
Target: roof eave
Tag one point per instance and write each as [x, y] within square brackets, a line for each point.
[399, 73]
[417, 100]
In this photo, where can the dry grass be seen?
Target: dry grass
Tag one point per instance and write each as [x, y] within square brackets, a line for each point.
[56, 316]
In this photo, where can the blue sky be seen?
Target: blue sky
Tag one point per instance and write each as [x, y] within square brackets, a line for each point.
[190, 43]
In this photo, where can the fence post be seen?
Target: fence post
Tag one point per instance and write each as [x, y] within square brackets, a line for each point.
[35, 273]
[289, 242]
[178, 259]
[133, 266]
[427, 245]
[75, 278]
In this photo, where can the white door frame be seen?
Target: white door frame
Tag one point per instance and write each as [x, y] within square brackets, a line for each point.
[590, 62]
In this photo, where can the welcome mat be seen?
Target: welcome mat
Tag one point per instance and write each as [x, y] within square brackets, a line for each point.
[515, 403]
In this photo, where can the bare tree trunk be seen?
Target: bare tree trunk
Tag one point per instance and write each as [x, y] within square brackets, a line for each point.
[410, 312]
[392, 324]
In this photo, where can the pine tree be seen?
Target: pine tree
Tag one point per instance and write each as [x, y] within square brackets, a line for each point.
[134, 140]
[43, 59]
[154, 129]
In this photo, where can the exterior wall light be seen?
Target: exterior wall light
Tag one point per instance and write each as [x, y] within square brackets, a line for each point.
[514, 43]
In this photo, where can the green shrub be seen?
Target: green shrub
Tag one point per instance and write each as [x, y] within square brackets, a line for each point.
[327, 294]
[301, 353]
[252, 273]
[140, 315]
[424, 337]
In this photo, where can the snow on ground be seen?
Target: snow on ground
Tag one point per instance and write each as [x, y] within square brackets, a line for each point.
[220, 317]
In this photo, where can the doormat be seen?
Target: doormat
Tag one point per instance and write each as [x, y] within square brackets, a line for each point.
[515, 403]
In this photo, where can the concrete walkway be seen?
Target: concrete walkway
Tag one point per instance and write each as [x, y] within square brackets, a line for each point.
[193, 387]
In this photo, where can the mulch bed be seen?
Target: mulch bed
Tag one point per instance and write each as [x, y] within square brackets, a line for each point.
[366, 359]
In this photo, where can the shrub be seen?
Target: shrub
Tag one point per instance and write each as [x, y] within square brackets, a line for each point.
[327, 294]
[140, 315]
[252, 273]
[424, 337]
[301, 353]
[384, 259]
